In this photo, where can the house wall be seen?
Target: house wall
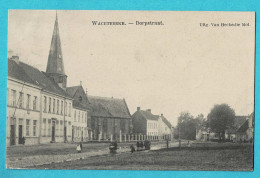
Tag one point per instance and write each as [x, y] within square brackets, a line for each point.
[17, 115]
[36, 122]
[104, 128]
[56, 114]
[79, 125]
[163, 129]
[152, 128]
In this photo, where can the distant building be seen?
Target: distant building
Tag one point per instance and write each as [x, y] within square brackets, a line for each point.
[81, 107]
[204, 133]
[245, 132]
[165, 128]
[231, 132]
[110, 118]
[145, 123]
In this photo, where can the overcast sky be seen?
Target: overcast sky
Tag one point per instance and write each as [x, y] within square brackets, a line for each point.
[177, 67]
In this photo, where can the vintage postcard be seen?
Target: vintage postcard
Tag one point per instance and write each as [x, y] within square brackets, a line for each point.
[130, 90]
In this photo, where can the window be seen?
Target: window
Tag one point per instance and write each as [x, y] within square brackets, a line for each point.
[49, 111]
[65, 109]
[27, 127]
[21, 100]
[69, 109]
[82, 116]
[49, 127]
[61, 108]
[28, 101]
[75, 115]
[80, 98]
[34, 127]
[58, 106]
[86, 117]
[44, 128]
[53, 109]
[13, 98]
[44, 104]
[79, 116]
[35, 103]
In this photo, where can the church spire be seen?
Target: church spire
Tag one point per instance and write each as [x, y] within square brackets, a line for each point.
[55, 66]
[55, 60]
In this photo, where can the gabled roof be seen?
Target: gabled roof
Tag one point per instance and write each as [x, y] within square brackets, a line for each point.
[166, 122]
[84, 104]
[244, 127]
[32, 75]
[108, 107]
[147, 115]
[77, 104]
[72, 90]
[15, 71]
[238, 122]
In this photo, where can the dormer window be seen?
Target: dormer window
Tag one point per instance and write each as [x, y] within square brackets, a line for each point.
[60, 79]
[80, 98]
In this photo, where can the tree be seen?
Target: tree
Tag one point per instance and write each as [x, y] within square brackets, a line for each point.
[220, 118]
[187, 125]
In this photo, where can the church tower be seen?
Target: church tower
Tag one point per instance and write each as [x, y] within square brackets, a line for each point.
[55, 66]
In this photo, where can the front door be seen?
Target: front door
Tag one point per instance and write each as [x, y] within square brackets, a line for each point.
[65, 134]
[12, 135]
[53, 131]
[20, 132]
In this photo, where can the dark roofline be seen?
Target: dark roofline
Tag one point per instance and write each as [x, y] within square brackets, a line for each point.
[127, 108]
[150, 113]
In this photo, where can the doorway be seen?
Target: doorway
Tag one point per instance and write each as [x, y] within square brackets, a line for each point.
[53, 131]
[12, 131]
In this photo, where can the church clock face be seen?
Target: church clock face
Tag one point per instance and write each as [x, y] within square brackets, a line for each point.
[59, 56]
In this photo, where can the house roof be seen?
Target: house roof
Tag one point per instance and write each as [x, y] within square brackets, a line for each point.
[79, 105]
[108, 107]
[32, 75]
[76, 103]
[244, 127]
[238, 122]
[72, 90]
[15, 71]
[166, 122]
[146, 115]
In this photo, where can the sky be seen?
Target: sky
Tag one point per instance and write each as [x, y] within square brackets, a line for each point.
[179, 66]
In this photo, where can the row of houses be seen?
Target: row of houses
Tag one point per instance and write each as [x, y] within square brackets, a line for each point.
[241, 131]
[41, 107]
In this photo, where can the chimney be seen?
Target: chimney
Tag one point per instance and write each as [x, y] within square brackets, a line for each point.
[162, 114]
[80, 83]
[138, 108]
[15, 58]
[149, 110]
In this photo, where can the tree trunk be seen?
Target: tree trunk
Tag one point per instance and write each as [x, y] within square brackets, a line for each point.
[223, 135]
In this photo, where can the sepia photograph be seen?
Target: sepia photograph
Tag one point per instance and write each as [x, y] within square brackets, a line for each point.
[130, 90]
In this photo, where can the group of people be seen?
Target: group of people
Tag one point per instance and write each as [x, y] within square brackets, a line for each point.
[140, 145]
